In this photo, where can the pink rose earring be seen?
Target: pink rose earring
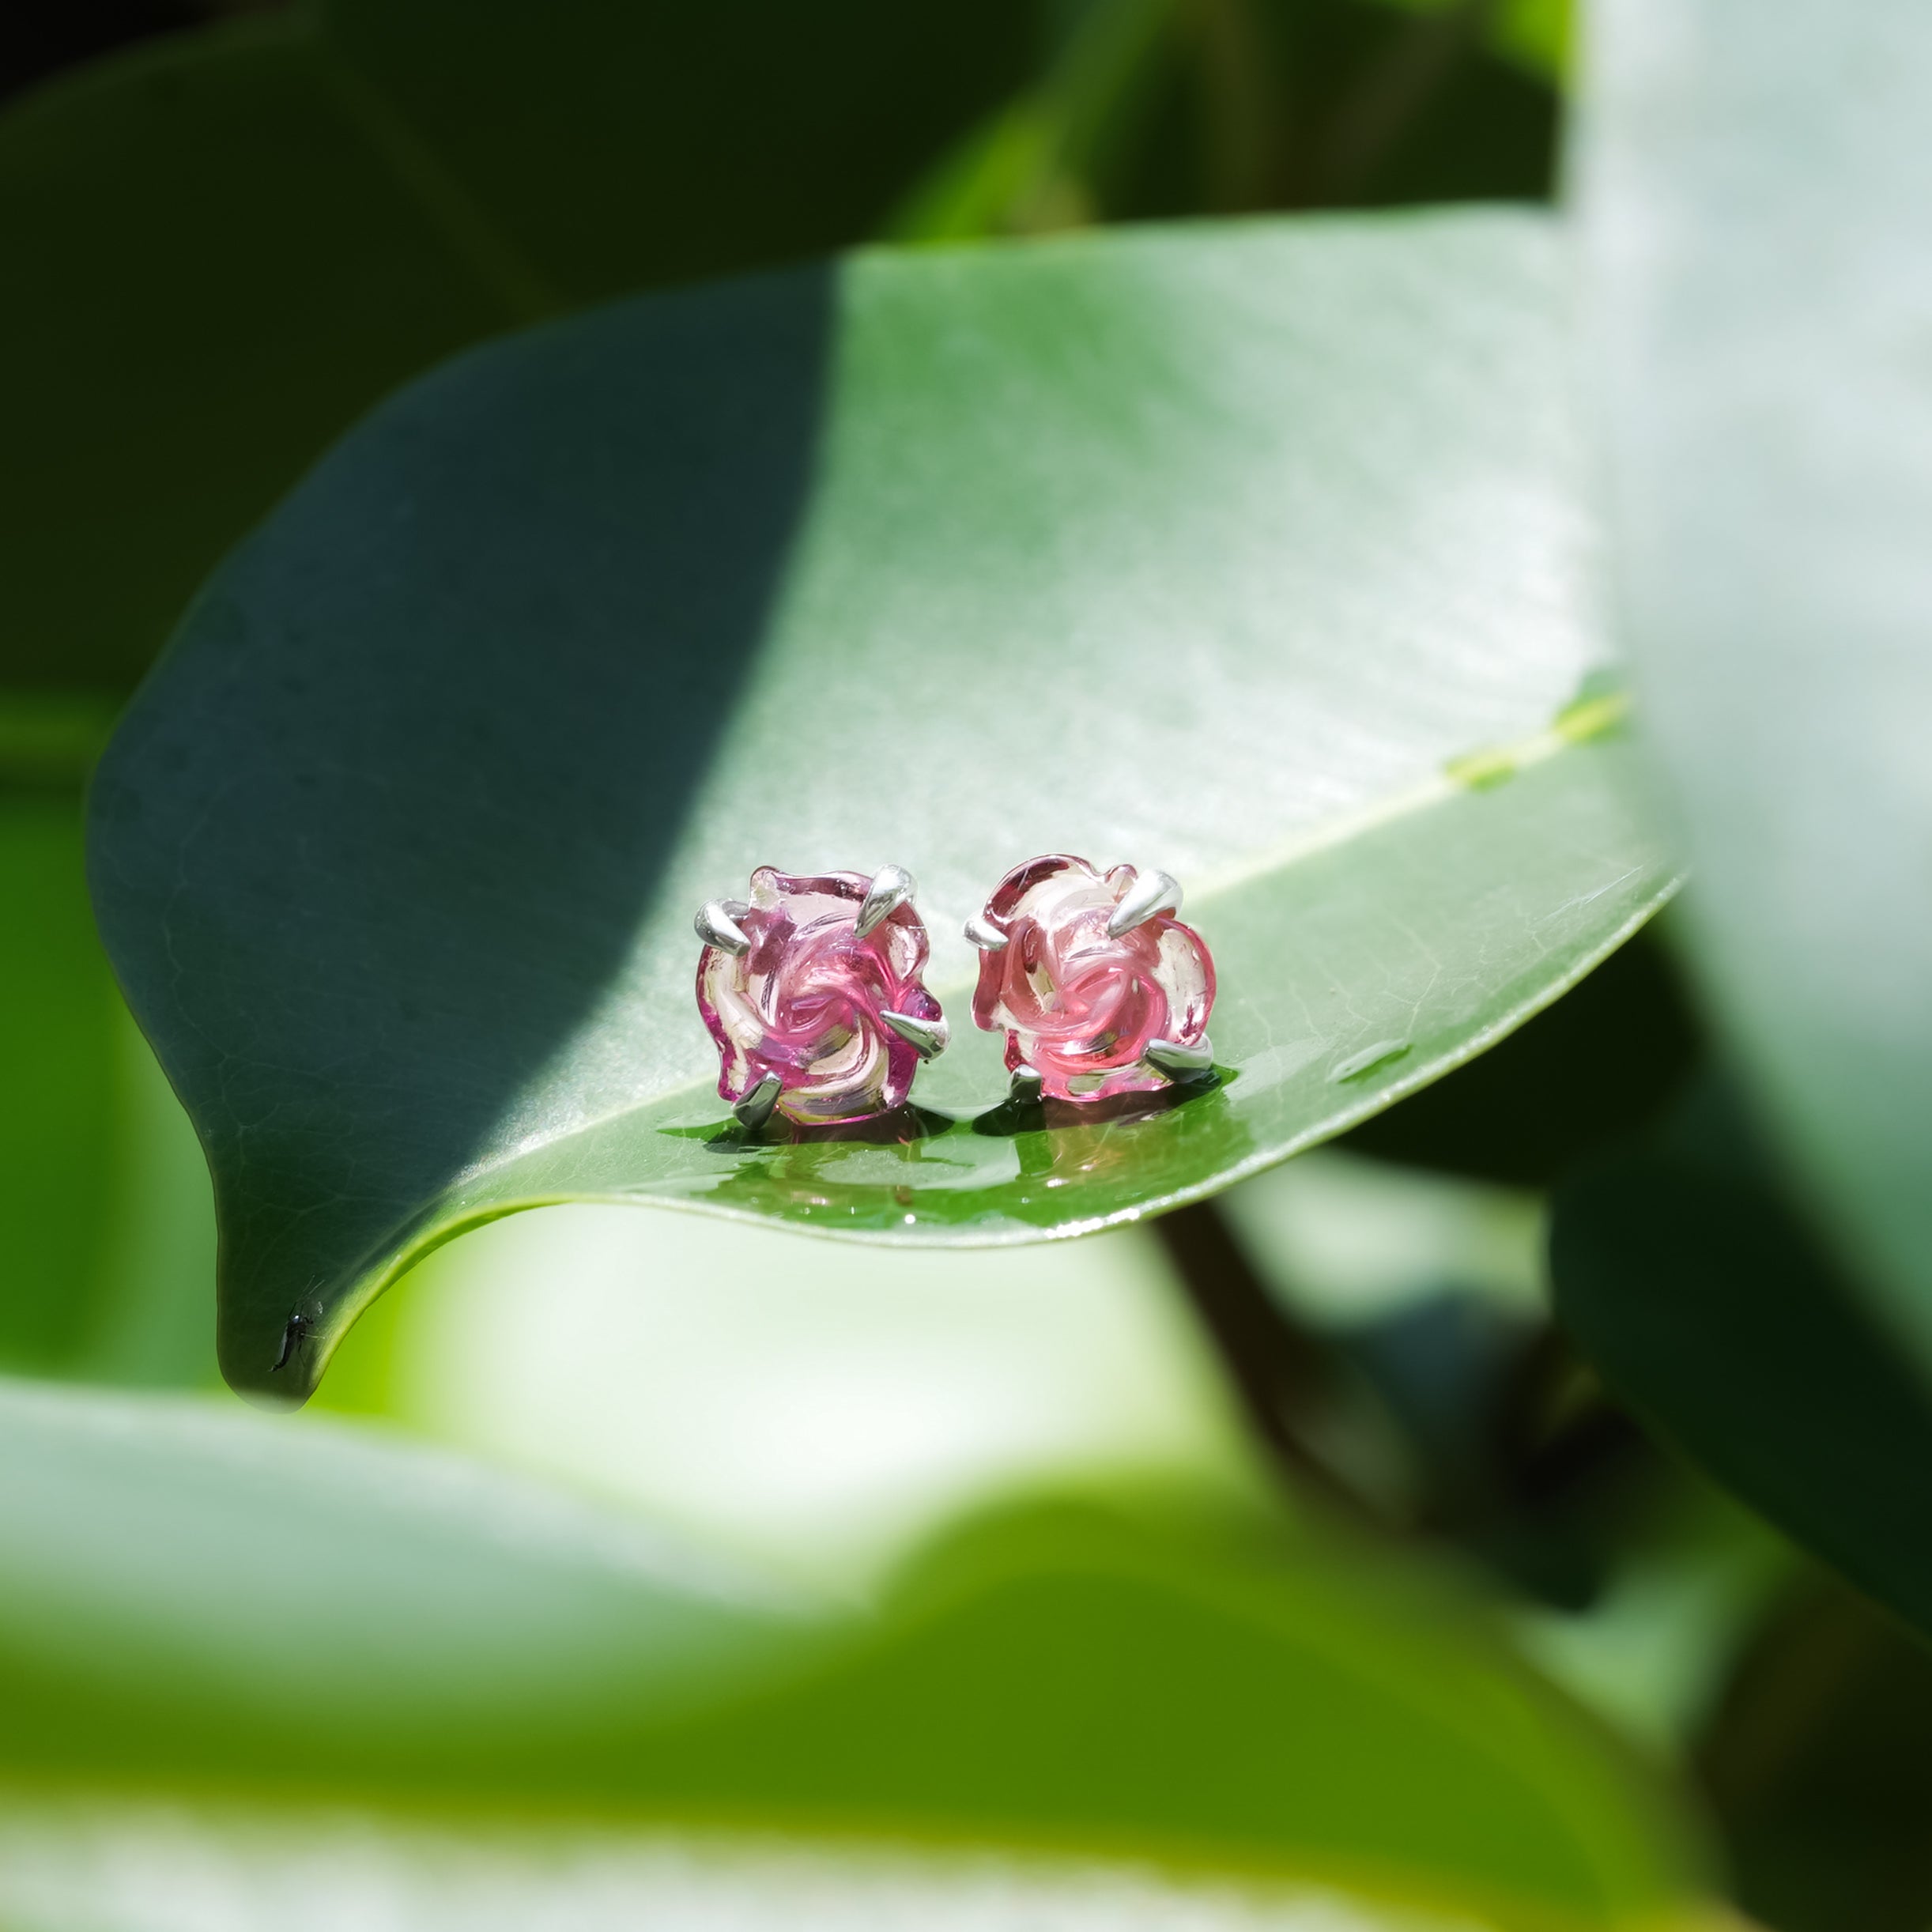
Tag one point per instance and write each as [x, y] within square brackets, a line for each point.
[1100, 990]
[812, 990]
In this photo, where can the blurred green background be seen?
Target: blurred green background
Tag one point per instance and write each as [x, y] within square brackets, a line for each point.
[1281, 1561]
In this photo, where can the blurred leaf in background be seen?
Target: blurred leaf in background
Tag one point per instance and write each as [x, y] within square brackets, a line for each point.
[1753, 184]
[225, 244]
[651, 1565]
[1076, 1681]
[819, 1406]
[1819, 1758]
[1681, 1265]
[105, 1212]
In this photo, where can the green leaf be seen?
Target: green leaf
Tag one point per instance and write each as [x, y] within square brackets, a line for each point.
[57, 1003]
[1754, 203]
[1538, 35]
[1251, 552]
[1826, 1824]
[199, 1601]
[223, 247]
[1683, 1271]
[106, 1220]
[1141, 109]
[1584, 1074]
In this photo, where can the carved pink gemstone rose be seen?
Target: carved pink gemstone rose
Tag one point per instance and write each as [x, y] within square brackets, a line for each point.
[806, 1001]
[1081, 1006]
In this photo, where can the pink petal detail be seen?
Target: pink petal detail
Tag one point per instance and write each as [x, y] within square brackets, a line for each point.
[1079, 1008]
[804, 1001]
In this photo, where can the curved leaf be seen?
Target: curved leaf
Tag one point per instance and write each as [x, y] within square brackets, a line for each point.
[1251, 552]
[1685, 1274]
[401, 1628]
[1581, 1077]
[223, 245]
[1754, 203]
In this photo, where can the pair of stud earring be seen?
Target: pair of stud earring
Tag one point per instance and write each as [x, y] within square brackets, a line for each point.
[812, 988]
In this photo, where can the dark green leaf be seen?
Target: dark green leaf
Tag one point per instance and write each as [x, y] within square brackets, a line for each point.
[1686, 1275]
[1818, 1761]
[211, 270]
[1147, 108]
[1255, 553]
[222, 248]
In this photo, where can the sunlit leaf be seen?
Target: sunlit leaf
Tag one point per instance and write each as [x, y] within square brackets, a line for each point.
[398, 1626]
[1252, 553]
[1586, 1073]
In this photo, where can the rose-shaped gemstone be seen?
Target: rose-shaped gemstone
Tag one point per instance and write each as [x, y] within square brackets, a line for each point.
[1079, 1006]
[804, 1001]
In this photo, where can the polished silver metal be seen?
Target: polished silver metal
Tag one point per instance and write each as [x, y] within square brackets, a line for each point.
[892, 887]
[755, 1109]
[717, 924]
[1150, 893]
[930, 1036]
[1025, 1086]
[985, 934]
[1178, 1062]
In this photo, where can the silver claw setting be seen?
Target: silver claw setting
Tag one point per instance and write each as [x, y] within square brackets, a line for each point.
[930, 1037]
[1025, 1087]
[985, 934]
[1178, 1062]
[892, 887]
[755, 1109]
[1150, 893]
[717, 925]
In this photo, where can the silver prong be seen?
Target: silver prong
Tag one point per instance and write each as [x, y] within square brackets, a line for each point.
[892, 887]
[1025, 1086]
[1178, 1062]
[755, 1109]
[985, 934]
[717, 925]
[930, 1036]
[1150, 893]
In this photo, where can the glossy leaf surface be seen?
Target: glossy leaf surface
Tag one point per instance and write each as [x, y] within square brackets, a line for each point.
[1252, 553]
[401, 1628]
[1755, 184]
[1683, 1271]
